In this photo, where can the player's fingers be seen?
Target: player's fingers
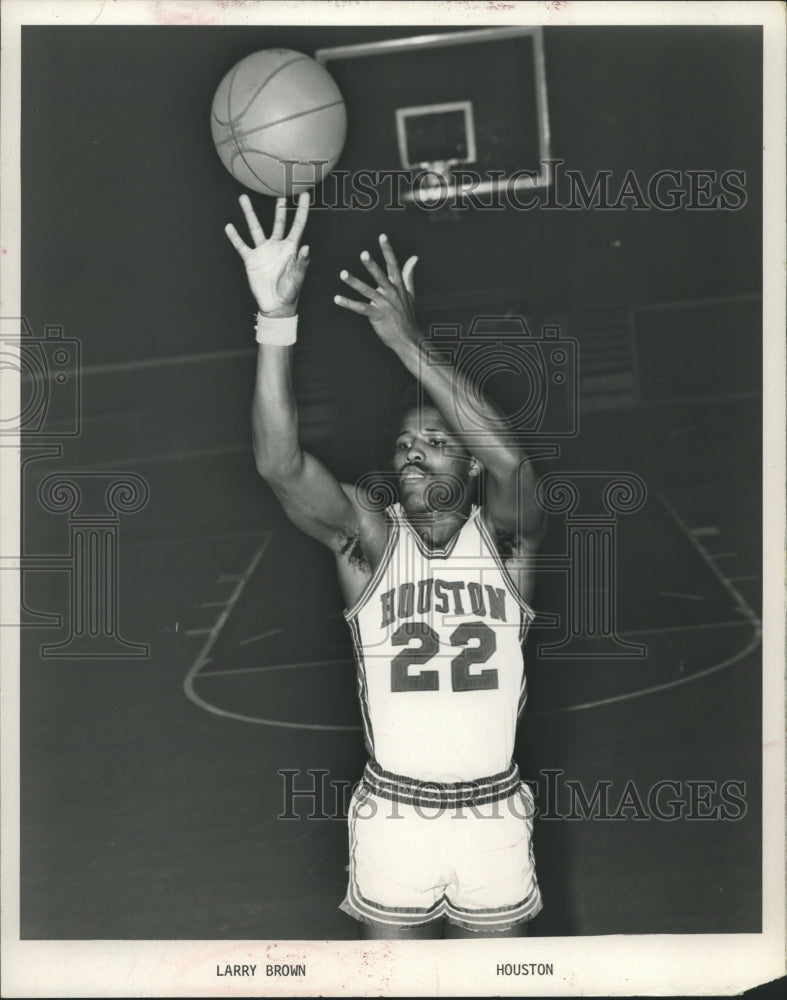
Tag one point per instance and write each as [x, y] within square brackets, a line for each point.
[407, 274]
[358, 307]
[300, 264]
[236, 241]
[376, 271]
[279, 219]
[358, 285]
[301, 215]
[255, 229]
[391, 263]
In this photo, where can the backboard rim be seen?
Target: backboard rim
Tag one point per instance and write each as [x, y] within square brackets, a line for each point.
[531, 180]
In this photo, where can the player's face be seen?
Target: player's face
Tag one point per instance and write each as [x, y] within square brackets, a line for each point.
[430, 462]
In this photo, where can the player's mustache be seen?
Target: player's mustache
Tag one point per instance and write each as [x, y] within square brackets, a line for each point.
[417, 466]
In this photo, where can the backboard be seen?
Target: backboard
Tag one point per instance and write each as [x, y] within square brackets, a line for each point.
[459, 112]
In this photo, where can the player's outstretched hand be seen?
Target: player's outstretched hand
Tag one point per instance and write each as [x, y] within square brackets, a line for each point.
[390, 308]
[275, 266]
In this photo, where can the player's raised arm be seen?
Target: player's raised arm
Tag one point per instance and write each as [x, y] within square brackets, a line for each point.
[276, 267]
[510, 489]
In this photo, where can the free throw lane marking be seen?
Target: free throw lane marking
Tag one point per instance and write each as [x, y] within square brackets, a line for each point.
[204, 656]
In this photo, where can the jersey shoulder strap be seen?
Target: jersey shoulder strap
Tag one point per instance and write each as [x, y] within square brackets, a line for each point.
[490, 545]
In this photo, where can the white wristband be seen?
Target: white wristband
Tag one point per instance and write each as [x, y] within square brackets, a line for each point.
[280, 331]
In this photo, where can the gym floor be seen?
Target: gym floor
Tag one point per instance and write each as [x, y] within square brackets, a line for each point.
[151, 792]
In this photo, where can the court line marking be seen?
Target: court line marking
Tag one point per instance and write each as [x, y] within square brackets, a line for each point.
[262, 635]
[741, 605]
[739, 599]
[204, 656]
[675, 593]
[682, 628]
[626, 696]
[348, 659]
[278, 666]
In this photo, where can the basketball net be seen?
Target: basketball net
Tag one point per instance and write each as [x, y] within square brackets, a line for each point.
[437, 182]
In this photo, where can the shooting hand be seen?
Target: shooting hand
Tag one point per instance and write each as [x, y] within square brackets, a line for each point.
[275, 266]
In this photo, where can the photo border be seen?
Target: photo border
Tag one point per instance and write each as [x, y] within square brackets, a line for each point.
[618, 965]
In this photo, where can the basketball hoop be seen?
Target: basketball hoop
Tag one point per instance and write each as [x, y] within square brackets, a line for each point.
[483, 129]
[435, 181]
[425, 133]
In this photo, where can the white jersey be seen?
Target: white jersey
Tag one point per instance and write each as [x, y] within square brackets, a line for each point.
[438, 638]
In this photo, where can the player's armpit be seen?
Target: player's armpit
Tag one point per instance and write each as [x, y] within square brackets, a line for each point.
[516, 524]
[519, 558]
[510, 506]
[362, 546]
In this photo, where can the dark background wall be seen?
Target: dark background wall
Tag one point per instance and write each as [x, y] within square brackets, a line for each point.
[125, 200]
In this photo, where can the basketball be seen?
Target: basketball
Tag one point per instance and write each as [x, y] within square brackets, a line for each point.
[278, 122]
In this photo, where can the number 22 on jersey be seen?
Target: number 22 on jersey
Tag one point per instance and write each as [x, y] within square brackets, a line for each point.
[429, 645]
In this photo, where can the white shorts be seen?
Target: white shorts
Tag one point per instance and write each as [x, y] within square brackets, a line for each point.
[415, 858]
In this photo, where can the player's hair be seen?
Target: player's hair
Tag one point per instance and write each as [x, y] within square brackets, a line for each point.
[414, 397]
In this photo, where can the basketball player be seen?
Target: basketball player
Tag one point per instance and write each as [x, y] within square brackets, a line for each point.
[436, 590]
